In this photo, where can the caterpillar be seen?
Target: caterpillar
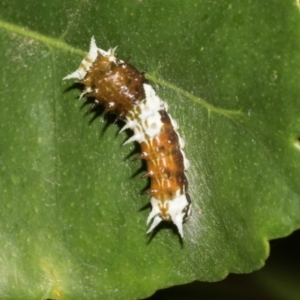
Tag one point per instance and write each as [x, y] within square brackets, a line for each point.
[123, 90]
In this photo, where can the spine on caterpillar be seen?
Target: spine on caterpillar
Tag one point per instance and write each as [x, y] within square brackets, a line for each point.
[123, 90]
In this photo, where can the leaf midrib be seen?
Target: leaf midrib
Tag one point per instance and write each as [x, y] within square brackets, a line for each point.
[60, 44]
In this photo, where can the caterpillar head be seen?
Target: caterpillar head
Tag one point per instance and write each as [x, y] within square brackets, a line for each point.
[115, 84]
[177, 210]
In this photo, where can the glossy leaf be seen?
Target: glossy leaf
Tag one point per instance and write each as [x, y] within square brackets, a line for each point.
[72, 222]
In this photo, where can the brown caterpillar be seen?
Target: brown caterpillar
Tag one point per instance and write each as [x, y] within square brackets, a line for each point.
[123, 90]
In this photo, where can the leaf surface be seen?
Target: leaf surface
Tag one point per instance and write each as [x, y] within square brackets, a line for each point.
[72, 222]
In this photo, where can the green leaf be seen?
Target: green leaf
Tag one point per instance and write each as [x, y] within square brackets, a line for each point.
[72, 223]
